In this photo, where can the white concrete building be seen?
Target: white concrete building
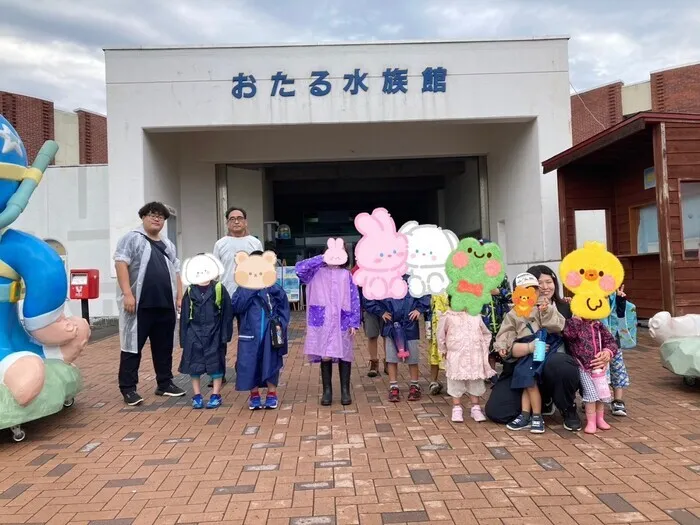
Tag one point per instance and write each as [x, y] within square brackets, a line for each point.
[68, 210]
[463, 151]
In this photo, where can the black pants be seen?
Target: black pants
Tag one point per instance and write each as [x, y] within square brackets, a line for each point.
[560, 382]
[158, 326]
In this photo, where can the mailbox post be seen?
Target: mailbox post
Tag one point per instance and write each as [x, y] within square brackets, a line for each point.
[85, 285]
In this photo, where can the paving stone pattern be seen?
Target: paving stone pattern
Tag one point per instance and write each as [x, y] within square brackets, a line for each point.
[370, 463]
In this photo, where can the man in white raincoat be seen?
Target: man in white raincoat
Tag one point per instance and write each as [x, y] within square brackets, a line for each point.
[150, 292]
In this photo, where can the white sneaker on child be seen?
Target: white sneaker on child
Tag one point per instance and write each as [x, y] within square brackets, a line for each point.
[457, 414]
[477, 414]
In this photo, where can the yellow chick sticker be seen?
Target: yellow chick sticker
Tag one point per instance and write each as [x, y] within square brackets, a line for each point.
[591, 273]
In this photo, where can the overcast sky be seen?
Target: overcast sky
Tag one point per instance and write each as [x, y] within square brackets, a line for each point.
[52, 49]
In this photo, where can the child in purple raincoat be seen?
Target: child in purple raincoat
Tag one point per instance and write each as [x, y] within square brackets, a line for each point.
[332, 316]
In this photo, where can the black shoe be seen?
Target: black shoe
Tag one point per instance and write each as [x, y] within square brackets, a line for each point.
[211, 382]
[170, 391]
[132, 398]
[548, 409]
[326, 380]
[344, 369]
[572, 422]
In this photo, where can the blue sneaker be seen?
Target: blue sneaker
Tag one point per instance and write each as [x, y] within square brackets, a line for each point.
[197, 402]
[254, 402]
[271, 401]
[214, 401]
[537, 425]
[519, 423]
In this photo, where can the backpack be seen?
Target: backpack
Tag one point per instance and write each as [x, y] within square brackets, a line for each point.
[623, 327]
[218, 294]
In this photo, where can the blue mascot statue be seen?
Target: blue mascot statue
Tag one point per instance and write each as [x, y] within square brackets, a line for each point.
[36, 375]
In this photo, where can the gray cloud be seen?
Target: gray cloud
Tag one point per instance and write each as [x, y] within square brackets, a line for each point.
[52, 48]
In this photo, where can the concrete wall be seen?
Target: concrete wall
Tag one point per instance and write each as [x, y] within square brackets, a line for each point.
[491, 87]
[246, 188]
[71, 206]
[636, 98]
[66, 133]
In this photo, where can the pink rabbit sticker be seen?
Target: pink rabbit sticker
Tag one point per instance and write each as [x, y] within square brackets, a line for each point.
[335, 254]
[381, 256]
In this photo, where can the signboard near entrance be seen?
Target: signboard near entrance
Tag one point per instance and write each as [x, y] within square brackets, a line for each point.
[289, 281]
[395, 80]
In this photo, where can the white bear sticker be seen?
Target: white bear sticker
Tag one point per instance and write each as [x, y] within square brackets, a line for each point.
[429, 246]
[201, 268]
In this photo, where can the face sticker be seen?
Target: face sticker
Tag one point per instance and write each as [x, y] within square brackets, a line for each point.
[524, 300]
[335, 254]
[381, 256]
[201, 269]
[591, 273]
[474, 269]
[255, 272]
[429, 246]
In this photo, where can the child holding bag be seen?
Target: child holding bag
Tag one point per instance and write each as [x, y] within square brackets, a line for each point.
[593, 347]
[464, 341]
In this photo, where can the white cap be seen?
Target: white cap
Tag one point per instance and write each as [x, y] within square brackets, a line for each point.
[526, 280]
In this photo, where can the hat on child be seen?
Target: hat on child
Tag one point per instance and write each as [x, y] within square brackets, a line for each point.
[526, 280]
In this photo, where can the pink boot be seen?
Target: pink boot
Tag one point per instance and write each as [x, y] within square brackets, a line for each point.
[591, 426]
[600, 420]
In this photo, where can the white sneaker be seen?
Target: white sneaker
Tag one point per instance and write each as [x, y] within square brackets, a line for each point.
[457, 414]
[477, 414]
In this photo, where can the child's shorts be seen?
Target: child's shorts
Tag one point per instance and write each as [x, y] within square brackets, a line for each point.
[391, 352]
[218, 375]
[459, 387]
[372, 325]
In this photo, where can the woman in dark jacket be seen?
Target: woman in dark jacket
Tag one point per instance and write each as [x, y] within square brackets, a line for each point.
[559, 380]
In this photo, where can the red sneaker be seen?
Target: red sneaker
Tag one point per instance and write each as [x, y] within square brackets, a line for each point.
[394, 394]
[414, 393]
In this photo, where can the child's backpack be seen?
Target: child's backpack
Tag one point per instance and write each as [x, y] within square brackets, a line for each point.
[624, 327]
[218, 294]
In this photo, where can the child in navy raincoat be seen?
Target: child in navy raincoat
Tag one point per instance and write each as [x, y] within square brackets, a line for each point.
[206, 326]
[259, 362]
[406, 313]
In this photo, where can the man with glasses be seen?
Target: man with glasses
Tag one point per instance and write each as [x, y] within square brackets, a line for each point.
[150, 293]
[237, 240]
[226, 248]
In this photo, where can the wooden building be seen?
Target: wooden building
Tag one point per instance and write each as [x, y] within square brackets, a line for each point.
[636, 187]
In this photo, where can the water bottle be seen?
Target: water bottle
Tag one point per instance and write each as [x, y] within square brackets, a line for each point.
[600, 381]
[540, 351]
[540, 346]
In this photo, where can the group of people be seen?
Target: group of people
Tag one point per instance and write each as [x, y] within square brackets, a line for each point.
[151, 296]
[466, 347]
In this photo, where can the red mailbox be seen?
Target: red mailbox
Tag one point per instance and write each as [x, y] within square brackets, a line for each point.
[84, 284]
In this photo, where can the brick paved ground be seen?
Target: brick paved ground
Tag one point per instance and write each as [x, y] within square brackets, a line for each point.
[101, 463]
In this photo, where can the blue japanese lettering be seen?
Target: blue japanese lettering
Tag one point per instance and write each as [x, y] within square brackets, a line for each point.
[244, 86]
[434, 80]
[354, 82]
[320, 86]
[280, 79]
[395, 80]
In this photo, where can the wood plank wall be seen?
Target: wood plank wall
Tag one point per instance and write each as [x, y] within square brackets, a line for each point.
[683, 160]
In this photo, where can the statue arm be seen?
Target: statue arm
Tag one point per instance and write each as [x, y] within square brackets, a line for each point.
[44, 277]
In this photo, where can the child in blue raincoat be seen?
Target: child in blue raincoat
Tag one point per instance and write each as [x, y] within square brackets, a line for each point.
[260, 358]
[405, 312]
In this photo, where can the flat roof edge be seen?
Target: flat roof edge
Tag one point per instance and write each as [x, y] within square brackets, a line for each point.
[334, 43]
